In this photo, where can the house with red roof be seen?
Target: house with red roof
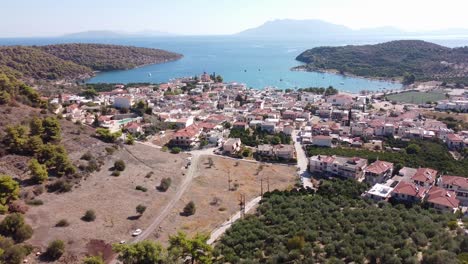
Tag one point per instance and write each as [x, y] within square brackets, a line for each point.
[457, 184]
[424, 177]
[186, 137]
[454, 141]
[442, 199]
[378, 172]
[409, 192]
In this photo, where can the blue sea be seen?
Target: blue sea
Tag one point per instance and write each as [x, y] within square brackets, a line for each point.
[258, 63]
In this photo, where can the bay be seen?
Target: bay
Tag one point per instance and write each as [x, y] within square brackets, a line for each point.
[258, 63]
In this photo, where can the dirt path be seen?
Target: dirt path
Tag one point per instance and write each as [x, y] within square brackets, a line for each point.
[226, 225]
[170, 205]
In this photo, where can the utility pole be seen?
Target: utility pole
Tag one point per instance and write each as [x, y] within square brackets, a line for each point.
[268, 183]
[261, 187]
[242, 205]
[229, 179]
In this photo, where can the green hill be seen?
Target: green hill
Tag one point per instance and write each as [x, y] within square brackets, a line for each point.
[72, 61]
[102, 57]
[30, 62]
[395, 59]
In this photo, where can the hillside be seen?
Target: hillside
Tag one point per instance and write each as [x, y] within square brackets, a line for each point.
[30, 62]
[102, 57]
[426, 61]
[76, 61]
[335, 225]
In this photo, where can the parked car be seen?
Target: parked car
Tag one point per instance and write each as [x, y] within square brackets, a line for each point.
[137, 232]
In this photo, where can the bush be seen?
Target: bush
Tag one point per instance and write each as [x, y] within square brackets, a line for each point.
[60, 186]
[62, 223]
[87, 156]
[165, 184]
[189, 209]
[116, 173]
[141, 188]
[119, 165]
[89, 216]
[176, 150]
[110, 150]
[140, 209]
[164, 149]
[55, 249]
[452, 224]
[3, 209]
[93, 260]
[35, 202]
[23, 233]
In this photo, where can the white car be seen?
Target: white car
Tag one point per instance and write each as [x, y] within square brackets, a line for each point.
[123, 241]
[137, 232]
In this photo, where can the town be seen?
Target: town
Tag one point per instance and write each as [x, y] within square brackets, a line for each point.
[276, 126]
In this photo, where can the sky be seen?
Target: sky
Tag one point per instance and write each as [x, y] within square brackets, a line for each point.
[31, 18]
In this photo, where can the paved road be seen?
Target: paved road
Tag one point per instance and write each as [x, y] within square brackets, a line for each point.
[302, 161]
[222, 229]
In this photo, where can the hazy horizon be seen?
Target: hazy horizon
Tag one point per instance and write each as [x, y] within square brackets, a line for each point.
[28, 18]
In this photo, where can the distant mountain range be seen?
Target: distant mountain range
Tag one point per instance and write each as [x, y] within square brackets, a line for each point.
[318, 28]
[96, 34]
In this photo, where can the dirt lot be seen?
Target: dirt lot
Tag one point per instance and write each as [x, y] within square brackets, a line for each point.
[213, 182]
[112, 198]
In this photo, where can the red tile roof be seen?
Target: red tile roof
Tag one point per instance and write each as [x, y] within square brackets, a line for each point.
[410, 189]
[189, 131]
[425, 175]
[455, 180]
[443, 197]
[379, 167]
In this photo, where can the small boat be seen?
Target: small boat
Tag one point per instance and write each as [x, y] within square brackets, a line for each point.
[342, 83]
[245, 70]
[149, 74]
[281, 80]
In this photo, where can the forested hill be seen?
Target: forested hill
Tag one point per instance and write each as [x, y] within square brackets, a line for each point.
[102, 57]
[395, 59]
[72, 61]
[29, 62]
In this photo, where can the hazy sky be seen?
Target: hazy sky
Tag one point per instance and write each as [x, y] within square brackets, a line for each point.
[56, 17]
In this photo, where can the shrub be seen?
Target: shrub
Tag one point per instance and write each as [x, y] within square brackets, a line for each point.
[116, 173]
[119, 165]
[165, 184]
[189, 209]
[164, 149]
[87, 156]
[141, 188]
[176, 150]
[60, 186]
[34, 202]
[89, 216]
[93, 260]
[55, 249]
[3, 209]
[140, 209]
[62, 223]
[110, 150]
[23, 233]
[452, 224]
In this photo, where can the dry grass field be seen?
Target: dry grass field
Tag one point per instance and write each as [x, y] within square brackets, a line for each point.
[214, 202]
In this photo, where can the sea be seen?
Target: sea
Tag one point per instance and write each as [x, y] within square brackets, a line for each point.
[258, 63]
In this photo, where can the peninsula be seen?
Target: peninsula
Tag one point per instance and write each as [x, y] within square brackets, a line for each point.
[404, 60]
[76, 61]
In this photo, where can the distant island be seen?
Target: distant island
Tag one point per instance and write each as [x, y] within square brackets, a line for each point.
[76, 61]
[404, 60]
[319, 29]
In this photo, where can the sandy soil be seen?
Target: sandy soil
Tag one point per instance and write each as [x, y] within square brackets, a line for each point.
[112, 198]
[213, 182]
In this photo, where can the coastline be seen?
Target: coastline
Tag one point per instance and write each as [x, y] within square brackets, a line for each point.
[304, 68]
